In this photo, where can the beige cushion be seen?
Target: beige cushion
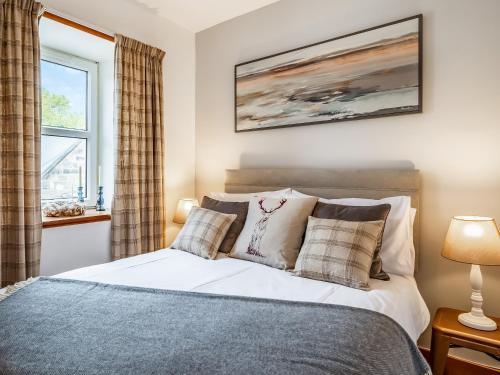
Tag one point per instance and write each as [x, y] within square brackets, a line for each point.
[358, 213]
[339, 251]
[273, 231]
[203, 232]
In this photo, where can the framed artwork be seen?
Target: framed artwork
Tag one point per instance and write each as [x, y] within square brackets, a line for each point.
[371, 73]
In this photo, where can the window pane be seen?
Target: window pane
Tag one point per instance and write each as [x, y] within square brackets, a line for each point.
[64, 96]
[61, 159]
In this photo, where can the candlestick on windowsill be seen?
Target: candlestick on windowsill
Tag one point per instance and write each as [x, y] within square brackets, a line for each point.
[80, 185]
[80, 194]
[100, 195]
[100, 199]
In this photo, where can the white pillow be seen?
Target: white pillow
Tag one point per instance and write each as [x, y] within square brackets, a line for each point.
[398, 250]
[413, 214]
[298, 194]
[245, 197]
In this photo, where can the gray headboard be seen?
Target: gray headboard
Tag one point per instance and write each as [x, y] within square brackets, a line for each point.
[332, 183]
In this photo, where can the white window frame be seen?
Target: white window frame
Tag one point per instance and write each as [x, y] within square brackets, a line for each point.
[91, 134]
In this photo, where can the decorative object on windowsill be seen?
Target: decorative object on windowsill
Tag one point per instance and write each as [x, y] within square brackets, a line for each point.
[474, 240]
[183, 208]
[100, 200]
[80, 194]
[100, 193]
[80, 185]
[63, 208]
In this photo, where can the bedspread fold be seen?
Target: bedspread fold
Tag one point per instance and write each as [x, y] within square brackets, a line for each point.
[57, 326]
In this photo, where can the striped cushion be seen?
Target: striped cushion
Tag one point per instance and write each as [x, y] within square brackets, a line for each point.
[339, 251]
[203, 232]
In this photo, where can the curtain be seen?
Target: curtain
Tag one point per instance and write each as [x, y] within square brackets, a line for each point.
[20, 216]
[138, 212]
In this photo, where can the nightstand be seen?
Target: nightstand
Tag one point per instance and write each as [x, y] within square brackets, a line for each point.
[446, 330]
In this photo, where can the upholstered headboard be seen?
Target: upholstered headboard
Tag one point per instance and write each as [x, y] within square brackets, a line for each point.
[332, 183]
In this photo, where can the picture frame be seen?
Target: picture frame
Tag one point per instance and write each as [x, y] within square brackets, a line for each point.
[375, 72]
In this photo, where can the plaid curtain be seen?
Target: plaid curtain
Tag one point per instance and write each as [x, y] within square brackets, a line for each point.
[138, 213]
[20, 216]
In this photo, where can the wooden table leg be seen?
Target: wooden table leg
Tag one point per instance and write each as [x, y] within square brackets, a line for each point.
[440, 345]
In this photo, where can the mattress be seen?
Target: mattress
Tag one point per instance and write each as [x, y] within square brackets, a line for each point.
[171, 269]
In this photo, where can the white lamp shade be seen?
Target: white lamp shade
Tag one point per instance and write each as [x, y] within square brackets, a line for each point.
[183, 209]
[474, 240]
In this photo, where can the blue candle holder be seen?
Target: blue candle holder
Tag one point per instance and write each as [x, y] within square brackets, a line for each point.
[100, 200]
[80, 194]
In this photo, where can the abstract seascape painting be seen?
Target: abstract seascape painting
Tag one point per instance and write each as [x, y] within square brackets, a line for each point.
[371, 73]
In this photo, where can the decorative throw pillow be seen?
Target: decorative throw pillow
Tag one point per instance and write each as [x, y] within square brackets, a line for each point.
[203, 232]
[273, 231]
[339, 251]
[398, 251]
[240, 209]
[358, 213]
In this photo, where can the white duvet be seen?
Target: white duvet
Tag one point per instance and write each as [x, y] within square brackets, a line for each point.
[398, 298]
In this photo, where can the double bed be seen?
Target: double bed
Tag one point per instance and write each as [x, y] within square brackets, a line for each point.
[174, 312]
[177, 270]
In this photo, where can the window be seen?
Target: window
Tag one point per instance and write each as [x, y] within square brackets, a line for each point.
[69, 126]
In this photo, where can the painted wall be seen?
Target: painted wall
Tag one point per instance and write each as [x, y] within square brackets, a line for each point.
[455, 142]
[129, 19]
[75, 246]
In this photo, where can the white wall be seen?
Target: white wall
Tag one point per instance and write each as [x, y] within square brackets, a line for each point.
[129, 19]
[75, 246]
[455, 142]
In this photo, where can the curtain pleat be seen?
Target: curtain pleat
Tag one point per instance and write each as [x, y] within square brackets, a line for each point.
[138, 212]
[20, 125]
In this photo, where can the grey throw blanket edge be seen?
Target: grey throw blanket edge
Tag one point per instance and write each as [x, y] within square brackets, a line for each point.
[11, 289]
[223, 296]
[415, 351]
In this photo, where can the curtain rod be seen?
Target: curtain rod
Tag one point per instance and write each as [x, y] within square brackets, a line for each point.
[78, 26]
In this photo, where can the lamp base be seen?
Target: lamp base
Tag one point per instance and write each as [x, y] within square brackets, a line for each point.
[482, 323]
[476, 318]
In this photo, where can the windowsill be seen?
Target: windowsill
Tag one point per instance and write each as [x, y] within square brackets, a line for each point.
[90, 216]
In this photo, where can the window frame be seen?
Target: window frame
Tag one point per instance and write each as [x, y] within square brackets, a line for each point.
[92, 131]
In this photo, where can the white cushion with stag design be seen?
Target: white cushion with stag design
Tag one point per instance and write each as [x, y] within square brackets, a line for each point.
[273, 231]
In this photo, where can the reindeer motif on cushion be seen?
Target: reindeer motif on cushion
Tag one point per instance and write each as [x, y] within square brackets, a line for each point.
[261, 226]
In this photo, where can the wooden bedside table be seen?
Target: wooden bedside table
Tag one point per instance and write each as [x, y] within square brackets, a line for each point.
[446, 330]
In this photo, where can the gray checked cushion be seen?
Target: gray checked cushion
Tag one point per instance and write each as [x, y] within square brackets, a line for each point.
[339, 251]
[203, 232]
[358, 213]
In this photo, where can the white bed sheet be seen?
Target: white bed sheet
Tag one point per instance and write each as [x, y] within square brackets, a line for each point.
[398, 298]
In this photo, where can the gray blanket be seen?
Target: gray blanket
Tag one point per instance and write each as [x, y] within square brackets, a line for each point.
[55, 326]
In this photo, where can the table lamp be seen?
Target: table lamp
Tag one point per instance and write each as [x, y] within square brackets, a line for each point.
[474, 240]
[183, 208]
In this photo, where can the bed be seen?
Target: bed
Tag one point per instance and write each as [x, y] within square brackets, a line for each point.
[173, 312]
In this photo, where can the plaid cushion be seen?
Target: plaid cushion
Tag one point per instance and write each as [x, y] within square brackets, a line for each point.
[358, 213]
[240, 209]
[203, 232]
[339, 251]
